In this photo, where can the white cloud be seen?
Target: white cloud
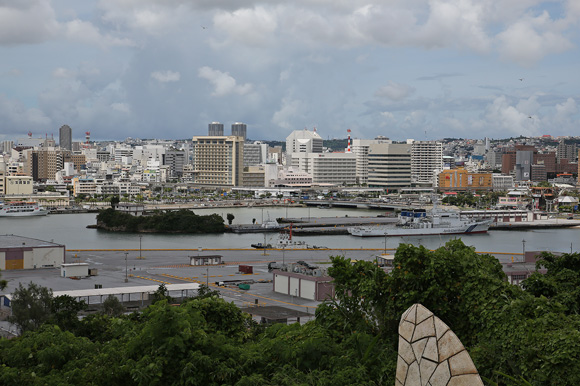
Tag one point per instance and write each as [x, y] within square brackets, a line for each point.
[531, 39]
[502, 116]
[86, 32]
[223, 82]
[287, 113]
[63, 73]
[25, 22]
[395, 91]
[121, 107]
[252, 27]
[166, 76]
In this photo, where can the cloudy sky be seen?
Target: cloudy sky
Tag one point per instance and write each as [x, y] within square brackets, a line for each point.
[422, 69]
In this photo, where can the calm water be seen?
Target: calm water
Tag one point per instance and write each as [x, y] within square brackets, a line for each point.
[71, 230]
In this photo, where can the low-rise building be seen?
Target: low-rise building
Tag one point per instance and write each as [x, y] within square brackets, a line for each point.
[17, 252]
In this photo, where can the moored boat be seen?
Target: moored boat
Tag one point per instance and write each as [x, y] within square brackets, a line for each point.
[419, 222]
[21, 209]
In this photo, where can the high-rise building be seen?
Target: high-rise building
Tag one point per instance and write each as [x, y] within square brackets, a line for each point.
[216, 129]
[239, 130]
[327, 168]
[218, 161]
[175, 159]
[389, 166]
[360, 148]
[303, 141]
[426, 162]
[65, 137]
[565, 151]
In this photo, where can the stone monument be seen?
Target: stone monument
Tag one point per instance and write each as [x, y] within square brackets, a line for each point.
[430, 354]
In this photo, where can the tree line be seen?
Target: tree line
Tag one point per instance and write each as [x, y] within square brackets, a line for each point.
[180, 221]
[526, 335]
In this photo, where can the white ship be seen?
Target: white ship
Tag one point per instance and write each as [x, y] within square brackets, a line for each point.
[419, 222]
[21, 209]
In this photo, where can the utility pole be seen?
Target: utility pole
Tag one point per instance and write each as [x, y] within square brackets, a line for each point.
[126, 277]
[524, 249]
[140, 250]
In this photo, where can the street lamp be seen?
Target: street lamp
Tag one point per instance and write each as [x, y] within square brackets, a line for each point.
[524, 249]
[140, 250]
[126, 277]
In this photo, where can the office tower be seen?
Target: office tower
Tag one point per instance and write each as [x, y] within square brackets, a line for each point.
[216, 129]
[65, 137]
[389, 166]
[239, 130]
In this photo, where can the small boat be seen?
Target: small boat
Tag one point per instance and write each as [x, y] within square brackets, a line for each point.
[261, 246]
[21, 209]
[418, 222]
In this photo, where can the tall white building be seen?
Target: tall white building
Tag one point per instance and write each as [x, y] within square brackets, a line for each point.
[426, 162]
[327, 168]
[303, 141]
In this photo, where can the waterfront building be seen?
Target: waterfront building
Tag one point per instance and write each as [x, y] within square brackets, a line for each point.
[426, 162]
[462, 180]
[360, 148]
[18, 185]
[218, 161]
[17, 252]
[327, 168]
[254, 176]
[389, 166]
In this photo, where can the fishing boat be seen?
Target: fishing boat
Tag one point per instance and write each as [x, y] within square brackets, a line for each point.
[21, 209]
[420, 222]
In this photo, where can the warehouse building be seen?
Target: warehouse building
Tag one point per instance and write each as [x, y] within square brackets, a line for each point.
[17, 252]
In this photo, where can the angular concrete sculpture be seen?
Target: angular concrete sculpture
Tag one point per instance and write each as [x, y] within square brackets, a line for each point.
[430, 354]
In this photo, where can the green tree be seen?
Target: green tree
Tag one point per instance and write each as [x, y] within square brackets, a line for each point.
[112, 306]
[31, 306]
[230, 218]
[161, 294]
[64, 312]
[115, 201]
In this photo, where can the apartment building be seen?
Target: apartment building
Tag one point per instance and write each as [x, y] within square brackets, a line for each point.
[218, 161]
[426, 162]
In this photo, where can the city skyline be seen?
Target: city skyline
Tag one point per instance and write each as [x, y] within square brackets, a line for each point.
[420, 69]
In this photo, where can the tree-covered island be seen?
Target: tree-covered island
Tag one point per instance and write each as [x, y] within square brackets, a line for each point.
[181, 221]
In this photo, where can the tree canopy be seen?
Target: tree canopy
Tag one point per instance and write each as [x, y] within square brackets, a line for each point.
[530, 333]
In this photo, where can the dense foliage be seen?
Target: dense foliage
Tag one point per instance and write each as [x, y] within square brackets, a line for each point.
[181, 221]
[530, 333]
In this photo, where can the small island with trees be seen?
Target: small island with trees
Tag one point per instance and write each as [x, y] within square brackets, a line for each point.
[181, 221]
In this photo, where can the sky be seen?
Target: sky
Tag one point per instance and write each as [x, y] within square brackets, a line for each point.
[421, 69]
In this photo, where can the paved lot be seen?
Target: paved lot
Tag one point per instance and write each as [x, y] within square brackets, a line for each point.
[172, 267]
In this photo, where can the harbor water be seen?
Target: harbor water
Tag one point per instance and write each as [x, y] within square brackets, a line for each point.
[71, 230]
